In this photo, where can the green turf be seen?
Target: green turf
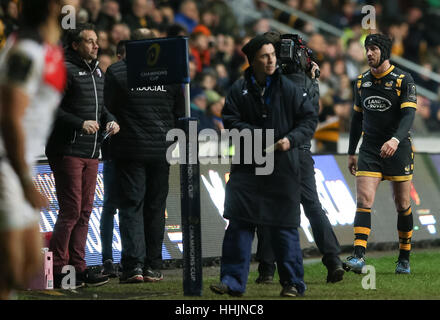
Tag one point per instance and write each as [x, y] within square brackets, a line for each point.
[423, 283]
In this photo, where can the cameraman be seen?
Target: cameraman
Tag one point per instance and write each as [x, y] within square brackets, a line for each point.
[301, 70]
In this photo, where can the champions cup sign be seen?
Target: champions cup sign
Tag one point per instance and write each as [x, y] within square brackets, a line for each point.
[157, 61]
[161, 62]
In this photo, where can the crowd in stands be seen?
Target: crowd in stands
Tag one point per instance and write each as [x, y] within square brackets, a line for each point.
[217, 30]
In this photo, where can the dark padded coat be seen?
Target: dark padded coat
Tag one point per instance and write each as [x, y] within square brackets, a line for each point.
[268, 199]
[83, 100]
[145, 115]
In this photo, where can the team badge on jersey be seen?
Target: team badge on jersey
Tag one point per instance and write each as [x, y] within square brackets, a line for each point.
[412, 92]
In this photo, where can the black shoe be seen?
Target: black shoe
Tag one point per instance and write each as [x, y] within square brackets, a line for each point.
[58, 279]
[335, 268]
[264, 279]
[221, 288]
[290, 291]
[93, 277]
[132, 276]
[151, 275]
[109, 269]
[335, 273]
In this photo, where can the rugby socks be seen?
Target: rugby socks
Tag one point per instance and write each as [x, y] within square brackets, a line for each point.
[405, 229]
[362, 228]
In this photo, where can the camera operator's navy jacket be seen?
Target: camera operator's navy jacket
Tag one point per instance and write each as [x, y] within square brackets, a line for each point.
[83, 100]
[268, 199]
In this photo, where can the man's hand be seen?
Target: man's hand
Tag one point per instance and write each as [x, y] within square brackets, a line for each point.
[282, 145]
[112, 128]
[90, 126]
[389, 148]
[352, 164]
[315, 68]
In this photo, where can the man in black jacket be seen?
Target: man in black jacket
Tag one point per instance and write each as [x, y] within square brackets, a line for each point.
[323, 233]
[145, 114]
[265, 99]
[73, 151]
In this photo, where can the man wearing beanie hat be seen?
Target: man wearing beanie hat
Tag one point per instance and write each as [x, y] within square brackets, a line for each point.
[265, 99]
[322, 230]
[384, 109]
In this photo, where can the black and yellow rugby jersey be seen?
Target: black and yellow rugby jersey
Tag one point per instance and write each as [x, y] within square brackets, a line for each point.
[380, 98]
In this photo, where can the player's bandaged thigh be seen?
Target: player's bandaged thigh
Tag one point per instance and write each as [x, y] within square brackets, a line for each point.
[15, 210]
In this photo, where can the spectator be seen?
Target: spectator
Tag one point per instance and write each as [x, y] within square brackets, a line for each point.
[430, 112]
[2, 33]
[176, 30]
[103, 42]
[120, 31]
[214, 108]
[167, 13]
[188, 15]
[199, 48]
[318, 44]
[261, 26]
[96, 16]
[223, 79]
[414, 42]
[10, 19]
[72, 151]
[138, 17]
[192, 70]
[139, 153]
[354, 61]
[105, 61]
[398, 31]
[225, 21]
[208, 79]
[111, 9]
[199, 104]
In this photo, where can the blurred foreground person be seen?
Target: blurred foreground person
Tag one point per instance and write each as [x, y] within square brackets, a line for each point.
[32, 79]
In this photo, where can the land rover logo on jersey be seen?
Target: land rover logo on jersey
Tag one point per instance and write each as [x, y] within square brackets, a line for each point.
[367, 84]
[153, 54]
[376, 103]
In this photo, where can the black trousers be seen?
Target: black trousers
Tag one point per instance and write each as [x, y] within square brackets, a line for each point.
[142, 202]
[322, 230]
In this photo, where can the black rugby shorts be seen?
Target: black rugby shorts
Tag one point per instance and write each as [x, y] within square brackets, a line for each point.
[399, 167]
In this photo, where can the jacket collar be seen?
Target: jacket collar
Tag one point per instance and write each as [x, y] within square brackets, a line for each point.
[73, 57]
[252, 84]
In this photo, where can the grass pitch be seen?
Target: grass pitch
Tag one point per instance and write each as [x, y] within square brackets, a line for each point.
[422, 284]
